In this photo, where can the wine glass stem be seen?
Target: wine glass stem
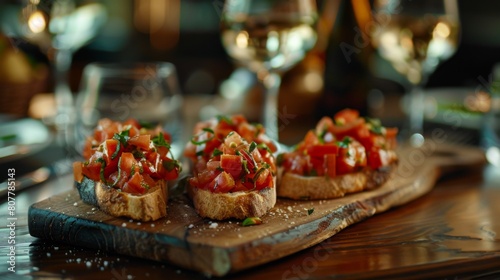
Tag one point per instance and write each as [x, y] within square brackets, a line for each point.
[271, 82]
[416, 110]
[61, 63]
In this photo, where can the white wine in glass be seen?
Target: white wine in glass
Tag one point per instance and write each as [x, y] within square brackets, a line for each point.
[415, 37]
[269, 37]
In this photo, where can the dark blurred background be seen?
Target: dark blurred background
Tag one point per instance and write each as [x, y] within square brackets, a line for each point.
[186, 33]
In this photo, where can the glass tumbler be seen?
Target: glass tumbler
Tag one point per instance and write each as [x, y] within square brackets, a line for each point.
[148, 92]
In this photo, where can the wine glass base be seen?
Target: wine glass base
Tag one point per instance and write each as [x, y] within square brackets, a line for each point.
[416, 140]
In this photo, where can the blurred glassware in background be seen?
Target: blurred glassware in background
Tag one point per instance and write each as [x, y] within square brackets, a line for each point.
[59, 28]
[269, 37]
[148, 92]
[414, 37]
[491, 122]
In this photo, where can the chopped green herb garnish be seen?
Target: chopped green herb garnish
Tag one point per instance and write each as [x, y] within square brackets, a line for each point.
[119, 173]
[375, 126]
[101, 172]
[217, 152]
[200, 153]
[145, 185]
[122, 137]
[313, 173]
[206, 129]
[171, 165]
[345, 142]
[137, 154]
[146, 124]
[132, 171]
[263, 146]
[310, 211]
[116, 153]
[252, 147]
[245, 166]
[160, 141]
[251, 221]
[259, 128]
[226, 119]
[321, 136]
[258, 173]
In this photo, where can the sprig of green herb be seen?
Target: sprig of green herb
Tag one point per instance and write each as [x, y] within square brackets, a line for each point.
[122, 137]
[160, 141]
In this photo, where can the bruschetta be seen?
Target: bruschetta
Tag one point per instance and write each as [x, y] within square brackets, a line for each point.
[126, 169]
[342, 155]
[234, 170]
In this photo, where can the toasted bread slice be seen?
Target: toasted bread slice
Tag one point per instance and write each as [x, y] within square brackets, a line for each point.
[145, 207]
[237, 205]
[323, 187]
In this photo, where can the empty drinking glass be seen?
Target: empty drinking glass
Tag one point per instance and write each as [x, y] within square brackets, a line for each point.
[148, 92]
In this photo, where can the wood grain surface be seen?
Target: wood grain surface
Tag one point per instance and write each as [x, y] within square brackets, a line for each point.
[185, 239]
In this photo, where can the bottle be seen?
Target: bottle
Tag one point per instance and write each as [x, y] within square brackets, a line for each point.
[347, 78]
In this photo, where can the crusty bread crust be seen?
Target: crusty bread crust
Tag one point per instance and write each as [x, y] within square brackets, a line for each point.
[322, 187]
[146, 207]
[238, 205]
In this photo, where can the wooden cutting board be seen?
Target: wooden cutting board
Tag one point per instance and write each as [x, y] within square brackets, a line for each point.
[218, 248]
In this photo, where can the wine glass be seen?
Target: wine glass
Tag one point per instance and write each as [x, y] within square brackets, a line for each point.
[415, 37]
[147, 92]
[59, 28]
[269, 37]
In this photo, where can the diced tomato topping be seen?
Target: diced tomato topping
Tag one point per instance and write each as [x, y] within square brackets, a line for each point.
[223, 183]
[140, 141]
[110, 147]
[232, 164]
[127, 161]
[250, 162]
[237, 166]
[264, 181]
[345, 144]
[134, 185]
[124, 156]
[321, 150]
[92, 170]
[211, 134]
[378, 158]
[346, 116]
[205, 177]
[148, 180]
[331, 165]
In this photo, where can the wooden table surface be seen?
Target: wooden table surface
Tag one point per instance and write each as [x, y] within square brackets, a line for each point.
[450, 233]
